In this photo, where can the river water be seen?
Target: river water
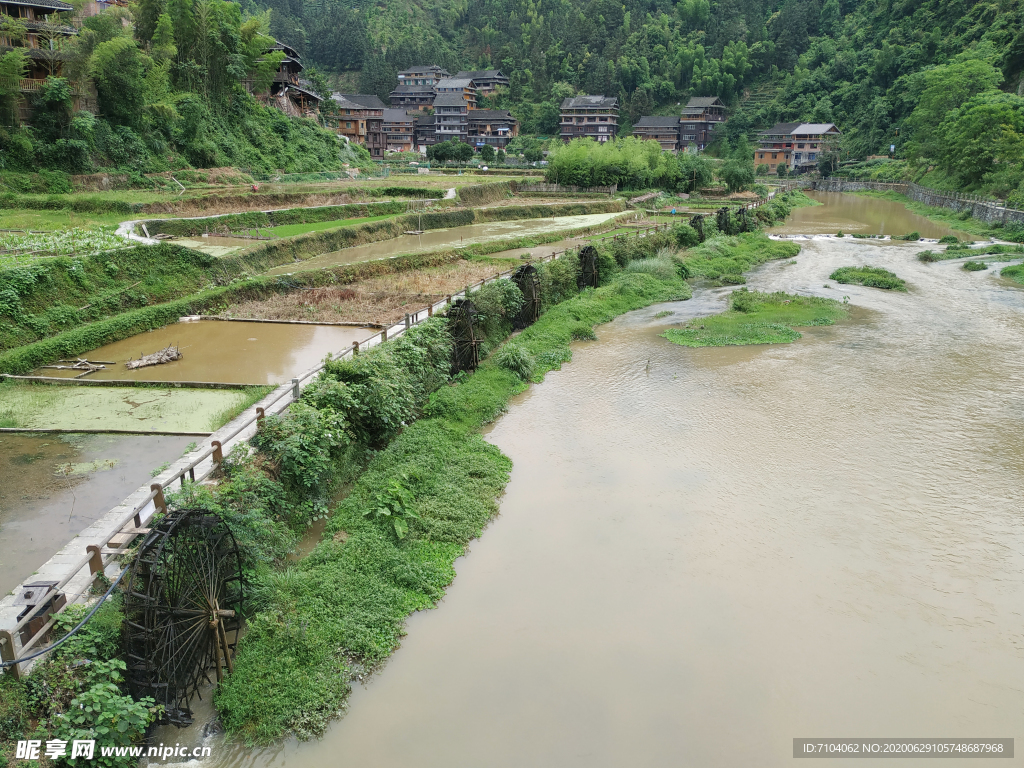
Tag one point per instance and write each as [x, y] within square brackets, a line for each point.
[705, 553]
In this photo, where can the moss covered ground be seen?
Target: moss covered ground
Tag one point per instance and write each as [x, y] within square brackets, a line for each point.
[758, 318]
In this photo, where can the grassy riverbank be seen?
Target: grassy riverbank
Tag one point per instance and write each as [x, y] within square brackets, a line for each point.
[758, 318]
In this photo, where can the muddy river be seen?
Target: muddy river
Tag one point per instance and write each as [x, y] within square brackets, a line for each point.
[225, 351]
[863, 215]
[705, 553]
[53, 486]
[439, 238]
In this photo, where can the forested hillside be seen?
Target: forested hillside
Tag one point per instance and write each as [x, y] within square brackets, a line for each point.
[169, 79]
[864, 64]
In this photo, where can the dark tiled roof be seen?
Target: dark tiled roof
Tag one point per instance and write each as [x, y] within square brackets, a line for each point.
[408, 89]
[480, 74]
[594, 102]
[655, 121]
[423, 68]
[704, 101]
[452, 82]
[49, 5]
[424, 121]
[490, 114]
[358, 101]
[449, 100]
[396, 116]
[783, 128]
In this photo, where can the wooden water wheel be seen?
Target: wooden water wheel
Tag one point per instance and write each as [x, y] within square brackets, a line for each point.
[528, 281]
[183, 610]
[587, 277]
[744, 221]
[723, 221]
[462, 318]
[697, 222]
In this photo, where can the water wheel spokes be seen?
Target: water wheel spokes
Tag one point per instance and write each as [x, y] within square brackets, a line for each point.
[462, 318]
[587, 277]
[723, 220]
[697, 222]
[528, 280]
[183, 610]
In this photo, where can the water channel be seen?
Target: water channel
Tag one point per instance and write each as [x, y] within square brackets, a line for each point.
[439, 238]
[225, 351]
[703, 554]
[53, 486]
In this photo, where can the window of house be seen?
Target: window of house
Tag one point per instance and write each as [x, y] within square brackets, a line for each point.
[797, 156]
[799, 146]
[812, 156]
[591, 119]
[814, 146]
[761, 156]
[775, 155]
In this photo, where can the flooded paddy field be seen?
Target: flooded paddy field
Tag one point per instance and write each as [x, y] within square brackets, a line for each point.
[440, 238]
[862, 215]
[705, 553]
[143, 409]
[221, 351]
[53, 486]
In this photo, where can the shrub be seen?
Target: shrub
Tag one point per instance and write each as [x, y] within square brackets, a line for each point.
[949, 240]
[514, 358]
[582, 332]
[928, 256]
[872, 277]
[975, 266]
[909, 236]
[662, 268]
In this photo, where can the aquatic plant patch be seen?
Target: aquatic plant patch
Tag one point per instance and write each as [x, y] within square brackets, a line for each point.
[17, 249]
[1015, 273]
[974, 266]
[872, 277]
[119, 408]
[758, 318]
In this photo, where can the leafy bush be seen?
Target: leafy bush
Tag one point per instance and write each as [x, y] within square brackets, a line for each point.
[498, 303]
[975, 266]
[663, 268]
[514, 358]
[909, 236]
[949, 240]
[928, 256]
[873, 277]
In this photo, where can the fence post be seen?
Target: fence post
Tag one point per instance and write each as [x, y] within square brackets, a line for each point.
[7, 652]
[218, 453]
[384, 334]
[158, 500]
[95, 559]
[295, 388]
[430, 310]
[260, 415]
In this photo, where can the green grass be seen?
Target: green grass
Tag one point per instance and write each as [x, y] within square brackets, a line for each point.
[289, 230]
[252, 396]
[872, 277]
[962, 250]
[1015, 273]
[728, 256]
[974, 266]
[758, 318]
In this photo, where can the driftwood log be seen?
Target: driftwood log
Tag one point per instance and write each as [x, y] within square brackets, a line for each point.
[166, 355]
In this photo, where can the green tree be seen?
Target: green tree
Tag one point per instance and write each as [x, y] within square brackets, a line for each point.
[985, 133]
[738, 174]
[943, 90]
[487, 153]
[119, 70]
[13, 67]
